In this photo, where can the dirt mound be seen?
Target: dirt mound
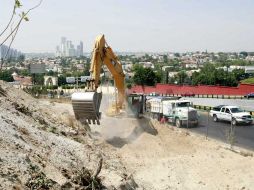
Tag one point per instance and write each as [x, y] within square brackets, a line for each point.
[161, 156]
[45, 148]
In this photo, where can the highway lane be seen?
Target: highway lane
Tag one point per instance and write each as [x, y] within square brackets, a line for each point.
[218, 130]
[243, 103]
[244, 134]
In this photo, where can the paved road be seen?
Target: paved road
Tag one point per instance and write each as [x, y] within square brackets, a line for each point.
[244, 134]
[243, 103]
[217, 130]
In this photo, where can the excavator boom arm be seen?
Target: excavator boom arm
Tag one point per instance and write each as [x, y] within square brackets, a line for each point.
[86, 104]
[103, 54]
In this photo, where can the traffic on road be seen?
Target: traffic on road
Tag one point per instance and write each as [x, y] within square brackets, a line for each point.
[226, 115]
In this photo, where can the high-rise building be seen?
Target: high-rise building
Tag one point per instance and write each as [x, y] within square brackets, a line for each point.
[66, 48]
[63, 46]
[80, 49]
[58, 51]
[6, 52]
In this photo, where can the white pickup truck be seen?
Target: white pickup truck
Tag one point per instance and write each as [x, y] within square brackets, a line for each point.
[230, 113]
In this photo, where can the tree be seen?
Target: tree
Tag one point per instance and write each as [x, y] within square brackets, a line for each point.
[87, 69]
[62, 80]
[139, 75]
[150, 77]
[51, 73]
[181, 77]
[145, 76]
[239, 74]
[24, 72]
[6, 75]
[13, 26]
[39, 79]
[165, 59]
[177, 54]
[209, 75]
[160, 76]
[128, 85]
[243, 54]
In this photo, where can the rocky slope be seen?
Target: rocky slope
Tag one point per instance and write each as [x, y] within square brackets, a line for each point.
[43, 148]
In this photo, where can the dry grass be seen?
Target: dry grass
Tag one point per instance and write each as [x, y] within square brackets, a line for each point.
[60, 100]
[23, 130]
[71, 122]
[246, 154]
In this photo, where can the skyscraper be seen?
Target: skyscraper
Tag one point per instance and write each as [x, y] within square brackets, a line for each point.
[81, 48]
[63, 46]
[6, 52]
[66, 48]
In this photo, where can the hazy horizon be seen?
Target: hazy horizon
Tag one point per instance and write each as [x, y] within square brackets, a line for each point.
[137, 26]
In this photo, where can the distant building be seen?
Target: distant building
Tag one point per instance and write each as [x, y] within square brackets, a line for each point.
[191, 65]
[21, 80]
[172, 74]
[50, 81]
[63, 46]
[80, 67]
[6, 52]
[80, 49]
[147, 64]
[249, 69]
[164, 68]
[54, 67]
[67, 49]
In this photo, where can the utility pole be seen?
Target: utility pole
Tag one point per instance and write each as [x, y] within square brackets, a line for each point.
[188, 117]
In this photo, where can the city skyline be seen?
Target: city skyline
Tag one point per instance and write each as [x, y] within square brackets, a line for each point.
[6, 52]
[67, 49]
[138, 26]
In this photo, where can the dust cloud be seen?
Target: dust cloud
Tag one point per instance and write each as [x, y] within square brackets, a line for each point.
[121, 129]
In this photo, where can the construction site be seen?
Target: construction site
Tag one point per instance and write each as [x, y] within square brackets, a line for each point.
[44, 147]
[96, 140]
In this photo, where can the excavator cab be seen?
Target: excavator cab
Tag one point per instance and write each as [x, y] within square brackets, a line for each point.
[86, 104]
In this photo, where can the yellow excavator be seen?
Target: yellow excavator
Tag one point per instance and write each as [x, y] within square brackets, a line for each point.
[86, 104]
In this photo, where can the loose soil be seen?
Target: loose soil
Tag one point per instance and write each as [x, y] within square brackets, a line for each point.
[41, 142]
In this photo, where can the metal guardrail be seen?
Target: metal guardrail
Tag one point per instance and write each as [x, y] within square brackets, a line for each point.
[216, 96]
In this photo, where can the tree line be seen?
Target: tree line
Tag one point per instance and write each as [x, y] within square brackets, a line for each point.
[208, 75]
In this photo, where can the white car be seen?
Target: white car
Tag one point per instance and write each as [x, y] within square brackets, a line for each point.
[233, 114]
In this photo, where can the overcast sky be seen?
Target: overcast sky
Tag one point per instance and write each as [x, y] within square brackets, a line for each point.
[137, 25]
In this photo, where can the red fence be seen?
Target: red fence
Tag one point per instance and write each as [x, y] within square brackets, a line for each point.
[242, 89]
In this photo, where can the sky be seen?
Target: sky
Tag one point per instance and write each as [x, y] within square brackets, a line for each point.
[137, 25]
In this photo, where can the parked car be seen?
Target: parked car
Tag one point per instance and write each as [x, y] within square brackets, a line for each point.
[233, 114]
[250, 95]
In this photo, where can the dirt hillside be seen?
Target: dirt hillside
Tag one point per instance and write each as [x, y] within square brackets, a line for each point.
[42, 147]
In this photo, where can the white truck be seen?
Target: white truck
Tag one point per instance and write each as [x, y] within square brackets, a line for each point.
[179, 112]
[232, 114]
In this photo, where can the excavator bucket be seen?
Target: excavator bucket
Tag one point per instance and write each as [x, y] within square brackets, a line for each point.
[86, 106]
